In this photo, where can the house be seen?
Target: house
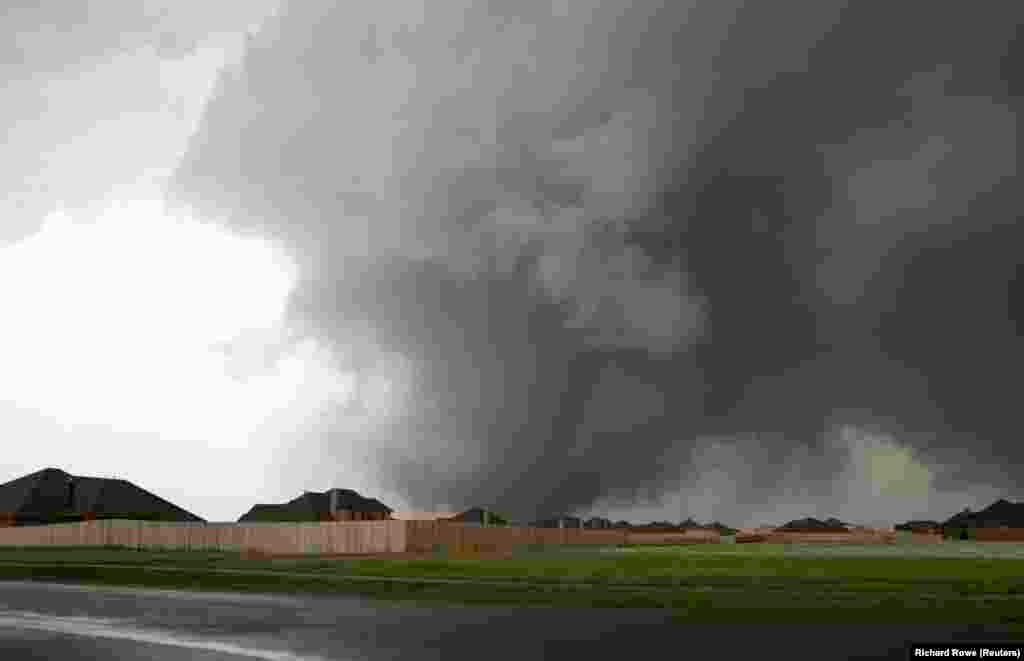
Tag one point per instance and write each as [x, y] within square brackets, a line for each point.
[330, 505]
[478, 516]
[598, 523]
[811, 524]
[1000, 514]
[559, 522]
[52, 495]
[655, 526]
[661, 524]
[423, 516]
[918, 525]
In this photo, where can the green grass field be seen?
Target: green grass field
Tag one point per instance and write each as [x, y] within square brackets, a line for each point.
[956, 583]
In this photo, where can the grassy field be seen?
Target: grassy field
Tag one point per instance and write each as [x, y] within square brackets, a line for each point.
[956, 583]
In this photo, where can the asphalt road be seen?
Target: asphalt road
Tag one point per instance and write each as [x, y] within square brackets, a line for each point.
[54, 621]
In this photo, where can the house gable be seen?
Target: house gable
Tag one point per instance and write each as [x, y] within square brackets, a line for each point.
[53, 495]
[316, 506]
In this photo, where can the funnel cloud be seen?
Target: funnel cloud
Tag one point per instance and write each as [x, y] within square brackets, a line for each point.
[727, 259]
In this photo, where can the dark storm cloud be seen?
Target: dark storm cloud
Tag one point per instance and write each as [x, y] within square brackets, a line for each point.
[605, 233]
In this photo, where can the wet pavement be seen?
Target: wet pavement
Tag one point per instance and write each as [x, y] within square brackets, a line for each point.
[55, 621]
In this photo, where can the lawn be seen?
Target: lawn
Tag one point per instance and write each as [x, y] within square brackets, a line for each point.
[963, 583]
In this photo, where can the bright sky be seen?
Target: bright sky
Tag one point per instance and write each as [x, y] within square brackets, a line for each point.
[140, 343]
[146, 345]
[99, 307]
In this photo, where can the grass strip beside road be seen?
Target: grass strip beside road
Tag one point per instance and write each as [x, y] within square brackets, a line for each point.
[777, 604]
[680, 567]
[699, 585]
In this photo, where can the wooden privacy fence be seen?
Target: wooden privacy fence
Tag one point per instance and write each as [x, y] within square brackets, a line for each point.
[751, 538]
[926, 537]
[428, 535]
[752, 535]
[999, 534]
[372, 537]
[856, 537]
[324, 538]
[670, 538]
[269, 538]
[770, 536]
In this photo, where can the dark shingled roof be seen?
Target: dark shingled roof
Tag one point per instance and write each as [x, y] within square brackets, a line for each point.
[553, 522]
[1000, 513]
[88, 493]
[15, 494]
[918, 524]
[312, 505]
[51, 492]
[308, 502]
[810, 523]
[476, 515]
[374, 505]
[265, 508]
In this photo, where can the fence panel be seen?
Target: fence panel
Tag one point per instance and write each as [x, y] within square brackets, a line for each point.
[926, 537]
[880, 537]
[426, 535]
[355, 537]
[673, 538]
[999, 535]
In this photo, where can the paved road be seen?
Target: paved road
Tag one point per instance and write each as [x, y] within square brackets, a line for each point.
[55, 621]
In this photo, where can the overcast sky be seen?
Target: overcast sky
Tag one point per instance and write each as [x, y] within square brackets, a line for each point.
[741, 261]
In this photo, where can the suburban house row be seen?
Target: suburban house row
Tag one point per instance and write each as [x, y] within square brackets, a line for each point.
[52, 495]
